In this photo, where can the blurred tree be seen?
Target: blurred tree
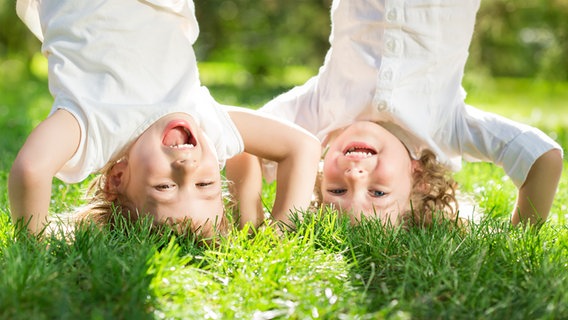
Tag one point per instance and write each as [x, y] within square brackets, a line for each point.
[522, 38]
[15, 39]
[264, 35]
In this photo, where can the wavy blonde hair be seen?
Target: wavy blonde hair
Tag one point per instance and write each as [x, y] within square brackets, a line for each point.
[432, 197]
[433, 194]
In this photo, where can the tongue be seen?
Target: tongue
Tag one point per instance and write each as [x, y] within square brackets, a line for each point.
[363, 150]
[174, 137]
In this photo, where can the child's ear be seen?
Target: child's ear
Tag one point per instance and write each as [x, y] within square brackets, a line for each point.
[115, 180]
[416, 166]
[420, 184]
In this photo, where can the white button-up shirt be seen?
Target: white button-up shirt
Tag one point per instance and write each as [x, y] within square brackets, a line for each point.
[400, 63]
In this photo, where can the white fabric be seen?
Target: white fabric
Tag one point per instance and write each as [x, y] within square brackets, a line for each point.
[400, 63]
[120, 65]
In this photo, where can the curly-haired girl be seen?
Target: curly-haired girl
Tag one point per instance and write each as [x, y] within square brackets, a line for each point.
[389, 108]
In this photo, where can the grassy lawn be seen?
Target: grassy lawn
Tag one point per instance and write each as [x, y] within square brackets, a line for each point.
[326, 269]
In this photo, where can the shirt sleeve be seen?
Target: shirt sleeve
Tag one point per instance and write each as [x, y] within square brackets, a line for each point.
[28, 11]
[299, 106]
[485, 136]
[215, 121]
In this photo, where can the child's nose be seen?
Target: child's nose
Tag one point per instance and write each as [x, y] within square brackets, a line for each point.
[185, 164]
[355, 173]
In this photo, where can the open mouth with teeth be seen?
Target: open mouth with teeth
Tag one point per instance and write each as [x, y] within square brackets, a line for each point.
[178, 135]
[359, 151]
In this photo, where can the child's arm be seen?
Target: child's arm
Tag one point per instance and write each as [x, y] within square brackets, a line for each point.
[531, 159]
[245, 175]
[537, 192]
[295, 150]
[50, 145]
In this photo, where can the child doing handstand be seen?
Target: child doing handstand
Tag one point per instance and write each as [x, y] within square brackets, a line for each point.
[128, 103]
[389, 109]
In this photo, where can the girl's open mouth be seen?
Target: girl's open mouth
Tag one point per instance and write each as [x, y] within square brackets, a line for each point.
[178, 135]
[359, 150]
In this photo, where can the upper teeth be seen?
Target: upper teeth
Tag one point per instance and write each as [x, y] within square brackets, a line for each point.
[358, 153]
[354, 152]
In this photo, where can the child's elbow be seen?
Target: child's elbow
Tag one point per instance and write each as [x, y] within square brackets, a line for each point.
[547, 169]
[312, 148]
[554, 159]
[27, 171]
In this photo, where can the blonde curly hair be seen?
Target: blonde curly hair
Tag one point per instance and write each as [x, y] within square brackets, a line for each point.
[432, 197]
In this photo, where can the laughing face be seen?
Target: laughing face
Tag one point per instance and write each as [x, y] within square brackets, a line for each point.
[367, 171]
[172, 173]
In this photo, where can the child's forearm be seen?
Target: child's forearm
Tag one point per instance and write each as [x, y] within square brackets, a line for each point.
[295, 182]
[245, 178]
[50, 145]
[296, 152]
[537, 193]
[29, 195]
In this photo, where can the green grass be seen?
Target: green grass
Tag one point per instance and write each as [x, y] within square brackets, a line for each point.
[326, 269]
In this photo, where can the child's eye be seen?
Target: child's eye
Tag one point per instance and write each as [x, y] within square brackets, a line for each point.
[204, 184]
[337, 191]
[377, 193]
[164, 187]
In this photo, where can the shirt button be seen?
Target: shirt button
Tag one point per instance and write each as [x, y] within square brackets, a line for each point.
[393, 46]
[386, 75]
[382, 105]
[392, 15]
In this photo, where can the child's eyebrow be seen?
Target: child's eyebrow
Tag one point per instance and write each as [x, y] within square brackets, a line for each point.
[212, 194]
[176, 221]
[383, 202]
[155, 198]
